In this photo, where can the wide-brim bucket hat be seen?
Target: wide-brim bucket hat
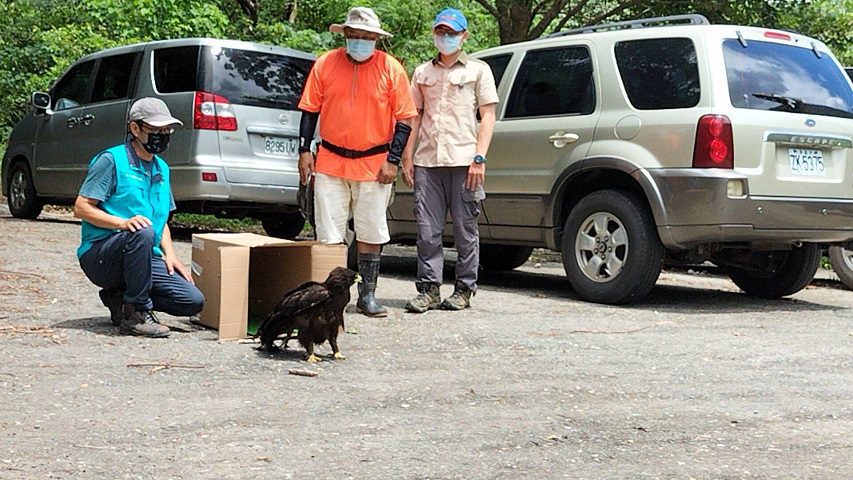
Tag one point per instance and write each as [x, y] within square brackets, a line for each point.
[360, 18]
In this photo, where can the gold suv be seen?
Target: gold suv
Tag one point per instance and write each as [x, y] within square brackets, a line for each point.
[660, 141]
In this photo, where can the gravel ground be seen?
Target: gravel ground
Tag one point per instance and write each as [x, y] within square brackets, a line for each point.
[698, 382]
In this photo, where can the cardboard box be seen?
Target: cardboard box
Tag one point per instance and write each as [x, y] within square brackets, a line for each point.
[245, 275]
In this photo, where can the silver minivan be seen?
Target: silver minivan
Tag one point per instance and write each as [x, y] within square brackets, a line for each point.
[236, 155]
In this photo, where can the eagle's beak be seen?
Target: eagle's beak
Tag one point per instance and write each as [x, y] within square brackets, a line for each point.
[357, 278]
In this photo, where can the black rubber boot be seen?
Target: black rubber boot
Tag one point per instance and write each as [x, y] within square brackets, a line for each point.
[368, 268]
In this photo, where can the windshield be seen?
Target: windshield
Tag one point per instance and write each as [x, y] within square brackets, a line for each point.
[773, 76]
[256, 79]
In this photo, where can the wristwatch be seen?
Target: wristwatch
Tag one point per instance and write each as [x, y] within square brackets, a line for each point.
[478, 159]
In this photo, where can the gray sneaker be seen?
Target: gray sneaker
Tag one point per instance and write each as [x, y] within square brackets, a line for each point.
[142, 323]
[113, 300]
[429, 298]
[460, 299]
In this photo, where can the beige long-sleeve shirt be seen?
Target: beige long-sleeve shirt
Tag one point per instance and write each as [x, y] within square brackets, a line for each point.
[448, 97]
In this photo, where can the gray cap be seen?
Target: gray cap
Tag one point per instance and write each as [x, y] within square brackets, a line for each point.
[152, 111]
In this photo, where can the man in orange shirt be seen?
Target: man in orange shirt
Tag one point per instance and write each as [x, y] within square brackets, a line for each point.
[363, 100]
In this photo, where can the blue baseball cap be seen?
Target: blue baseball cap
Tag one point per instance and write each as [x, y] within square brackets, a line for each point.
[452, 18]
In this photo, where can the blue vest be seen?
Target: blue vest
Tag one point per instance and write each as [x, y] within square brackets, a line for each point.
[138, 192]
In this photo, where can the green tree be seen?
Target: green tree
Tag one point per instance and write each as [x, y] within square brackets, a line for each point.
[46, 36]
[830, 21]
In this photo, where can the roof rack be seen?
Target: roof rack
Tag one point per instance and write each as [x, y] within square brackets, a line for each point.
[688, 19]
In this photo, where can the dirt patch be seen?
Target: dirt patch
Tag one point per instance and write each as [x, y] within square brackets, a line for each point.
[699, 381]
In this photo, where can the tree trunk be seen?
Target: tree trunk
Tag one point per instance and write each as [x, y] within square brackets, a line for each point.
[251, 9]
[515, 20]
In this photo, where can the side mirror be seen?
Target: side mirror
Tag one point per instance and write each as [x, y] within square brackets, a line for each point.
[41, 100]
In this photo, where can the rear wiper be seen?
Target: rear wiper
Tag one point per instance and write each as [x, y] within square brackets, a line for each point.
[262, 99]
[798, 105]
[269, 98]
[792, 103]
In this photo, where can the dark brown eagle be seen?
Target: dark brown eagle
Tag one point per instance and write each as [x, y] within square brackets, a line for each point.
[316, 310]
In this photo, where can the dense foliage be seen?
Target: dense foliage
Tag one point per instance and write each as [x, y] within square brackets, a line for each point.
[42, 38]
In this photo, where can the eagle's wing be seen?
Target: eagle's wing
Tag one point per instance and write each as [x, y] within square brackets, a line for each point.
[296, 301]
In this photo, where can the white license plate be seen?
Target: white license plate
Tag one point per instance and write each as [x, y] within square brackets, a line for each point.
[806, 162]
[284, 147]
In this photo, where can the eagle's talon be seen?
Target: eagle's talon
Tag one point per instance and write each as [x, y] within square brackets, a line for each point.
[339, 356]
[313, 359]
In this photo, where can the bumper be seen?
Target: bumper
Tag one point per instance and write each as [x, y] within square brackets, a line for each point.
[694, 207]
[188, 186]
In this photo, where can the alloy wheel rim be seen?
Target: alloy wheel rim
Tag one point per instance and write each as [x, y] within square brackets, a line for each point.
[601, 247]
[18, 190]
[847, 255]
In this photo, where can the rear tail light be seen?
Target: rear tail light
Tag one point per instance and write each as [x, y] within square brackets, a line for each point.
[213, 112]
[208, 176]
[714, 146]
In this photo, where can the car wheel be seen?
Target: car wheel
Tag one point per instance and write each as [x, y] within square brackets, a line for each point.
[283, 225]
[503, 257]
[842, 264]
[611, 250]
[23, 201]
[778, 273]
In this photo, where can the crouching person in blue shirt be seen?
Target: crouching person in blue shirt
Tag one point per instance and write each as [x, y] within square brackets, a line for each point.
[126, 246]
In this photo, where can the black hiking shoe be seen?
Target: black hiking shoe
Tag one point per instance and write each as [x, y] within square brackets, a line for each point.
[113, 300]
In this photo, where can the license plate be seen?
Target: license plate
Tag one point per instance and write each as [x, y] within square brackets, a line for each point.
[283, 147]
[806, 162]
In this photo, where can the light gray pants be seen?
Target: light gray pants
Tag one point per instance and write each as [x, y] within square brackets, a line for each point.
[437, 190]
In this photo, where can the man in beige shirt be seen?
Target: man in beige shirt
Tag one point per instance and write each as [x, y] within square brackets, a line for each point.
[449, 164]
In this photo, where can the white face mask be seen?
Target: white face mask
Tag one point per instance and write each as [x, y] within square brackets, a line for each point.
[359, 49]
[447, 44]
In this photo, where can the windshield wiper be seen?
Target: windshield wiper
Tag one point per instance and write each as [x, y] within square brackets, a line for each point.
[271, 98]
[793, 103]
[799, 106]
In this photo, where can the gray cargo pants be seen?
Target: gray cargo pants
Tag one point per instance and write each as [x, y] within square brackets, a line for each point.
[437, 190]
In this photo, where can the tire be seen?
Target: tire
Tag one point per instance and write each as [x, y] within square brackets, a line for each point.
[842, 264]
[778, 273]
[284, 225]
[23, 201]
[634, 255]
[503, 257]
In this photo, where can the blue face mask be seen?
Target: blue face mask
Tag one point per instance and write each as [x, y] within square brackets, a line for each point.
[447, 44]
[359, 49]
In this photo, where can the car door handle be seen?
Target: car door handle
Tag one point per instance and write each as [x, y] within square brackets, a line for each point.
[72, 122]
[561, 139]
[87, 119]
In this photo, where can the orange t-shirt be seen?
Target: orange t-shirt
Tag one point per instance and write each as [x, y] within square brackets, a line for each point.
[358, 105]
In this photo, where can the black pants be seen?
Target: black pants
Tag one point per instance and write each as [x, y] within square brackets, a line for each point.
[126, 261]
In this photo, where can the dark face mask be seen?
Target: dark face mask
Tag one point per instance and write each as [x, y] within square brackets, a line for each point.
[157, 143]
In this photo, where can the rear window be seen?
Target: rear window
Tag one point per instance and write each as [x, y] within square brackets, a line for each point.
[254, 78]
[114, 77]
[498, 65]
[176, 69]
[785, 78]
[550, 82]
[660, 73]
